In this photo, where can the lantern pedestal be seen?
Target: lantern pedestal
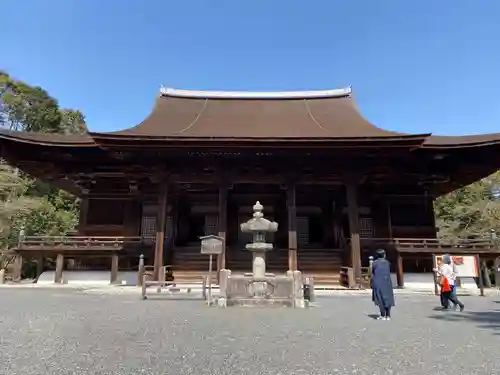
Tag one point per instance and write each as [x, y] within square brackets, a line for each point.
[260, 288]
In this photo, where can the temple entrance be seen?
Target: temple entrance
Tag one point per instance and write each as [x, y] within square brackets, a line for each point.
[196, 227]
[316, 230]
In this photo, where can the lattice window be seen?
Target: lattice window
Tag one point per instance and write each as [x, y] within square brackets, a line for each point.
[303, 230]
[148, 226]
[366, 227]
[211, 225]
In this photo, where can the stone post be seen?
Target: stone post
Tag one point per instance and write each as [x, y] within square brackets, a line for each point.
[140, 271]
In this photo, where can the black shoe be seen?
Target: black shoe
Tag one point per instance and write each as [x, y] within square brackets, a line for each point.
[462, 308]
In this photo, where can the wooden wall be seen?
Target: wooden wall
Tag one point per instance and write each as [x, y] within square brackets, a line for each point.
[111, 217]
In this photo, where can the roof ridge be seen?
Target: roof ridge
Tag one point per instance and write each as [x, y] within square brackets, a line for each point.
[310, 94]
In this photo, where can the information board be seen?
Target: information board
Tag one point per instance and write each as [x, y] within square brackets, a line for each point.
[466, 265]
[211, 245]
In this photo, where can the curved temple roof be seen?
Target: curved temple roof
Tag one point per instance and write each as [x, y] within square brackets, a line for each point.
[48, 139]
[326, 114]
[322, 115]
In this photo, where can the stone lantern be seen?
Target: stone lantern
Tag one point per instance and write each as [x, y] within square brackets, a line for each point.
[258, 226]
[259, 288]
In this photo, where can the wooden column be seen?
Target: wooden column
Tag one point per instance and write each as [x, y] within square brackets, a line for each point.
[114, 268]
[222, 222]
[353, 213]
[389, 221]
[84, 208]
[59, 268]
[160, 229]
[292, 227]
[17, 268]
[399, 270]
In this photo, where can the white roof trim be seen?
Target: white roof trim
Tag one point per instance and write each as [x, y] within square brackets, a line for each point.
[335, 93]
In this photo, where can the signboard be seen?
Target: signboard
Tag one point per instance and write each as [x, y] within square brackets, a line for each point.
[211, 245]
[466, 265]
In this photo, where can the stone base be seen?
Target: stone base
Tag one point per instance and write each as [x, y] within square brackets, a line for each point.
[269, 291]
[260, 302]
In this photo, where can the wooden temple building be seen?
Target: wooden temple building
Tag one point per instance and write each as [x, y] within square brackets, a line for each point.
[337, 185]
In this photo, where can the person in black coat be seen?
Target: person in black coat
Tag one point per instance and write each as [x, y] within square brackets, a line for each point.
[382, 292]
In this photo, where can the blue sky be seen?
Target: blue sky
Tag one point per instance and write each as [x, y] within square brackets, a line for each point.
[415, 66]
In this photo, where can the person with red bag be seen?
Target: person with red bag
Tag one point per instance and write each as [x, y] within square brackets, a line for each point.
[447, 277]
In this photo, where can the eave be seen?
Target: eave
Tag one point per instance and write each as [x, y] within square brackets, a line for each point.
[107, 140]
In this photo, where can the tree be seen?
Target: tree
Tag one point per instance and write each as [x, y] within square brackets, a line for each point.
[72, 122]
[13, 202]
[27, 108]
[472, 211]
[27, 203]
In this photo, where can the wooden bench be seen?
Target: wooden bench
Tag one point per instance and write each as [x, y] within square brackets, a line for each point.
[169, 286]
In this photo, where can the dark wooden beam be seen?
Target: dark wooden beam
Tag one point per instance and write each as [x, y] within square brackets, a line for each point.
[161, 222]
[84, 207]
[399, 270]
[222, 221]
[114, 268]
[292, 227]
[353, 214]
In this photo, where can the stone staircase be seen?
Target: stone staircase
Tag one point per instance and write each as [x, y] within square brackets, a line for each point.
[240, 260]
[189, 265]
[322, 264]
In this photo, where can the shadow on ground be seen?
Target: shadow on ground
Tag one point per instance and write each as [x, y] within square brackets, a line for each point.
[484, 319]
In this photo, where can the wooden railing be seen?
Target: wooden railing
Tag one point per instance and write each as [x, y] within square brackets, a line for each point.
[78, 242]
[430, 244]
[348, 280]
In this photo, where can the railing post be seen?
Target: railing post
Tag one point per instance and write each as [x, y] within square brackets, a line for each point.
[21, 237]
[140, 276]
[370, 265]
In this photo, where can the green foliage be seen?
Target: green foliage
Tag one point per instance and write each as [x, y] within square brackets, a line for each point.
[27, 108]
[26, 203]
[73, 122]
[43, 219]
[473, 211]
[32, 109]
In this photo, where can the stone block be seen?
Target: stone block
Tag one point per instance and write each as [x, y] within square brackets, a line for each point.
[272, 291]
[223, 282]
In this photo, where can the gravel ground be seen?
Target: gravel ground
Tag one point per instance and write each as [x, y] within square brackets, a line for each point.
[51, 331]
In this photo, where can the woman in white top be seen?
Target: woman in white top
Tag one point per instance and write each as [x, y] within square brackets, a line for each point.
[447, 271]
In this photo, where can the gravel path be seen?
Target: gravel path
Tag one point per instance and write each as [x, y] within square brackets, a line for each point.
[68, 332]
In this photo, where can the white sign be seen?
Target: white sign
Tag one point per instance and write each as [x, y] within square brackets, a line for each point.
[466, 265]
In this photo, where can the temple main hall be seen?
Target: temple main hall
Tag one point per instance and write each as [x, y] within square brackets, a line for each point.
[338, 185]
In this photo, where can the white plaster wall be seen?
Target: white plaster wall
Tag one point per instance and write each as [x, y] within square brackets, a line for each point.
[89, 277]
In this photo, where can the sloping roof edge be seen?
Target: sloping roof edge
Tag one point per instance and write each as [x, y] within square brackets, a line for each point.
[466, 141]
[49, 139]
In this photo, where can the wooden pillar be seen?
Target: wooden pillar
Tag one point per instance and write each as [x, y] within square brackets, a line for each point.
[84, 208]
[161, 222]
[59, 268]
[292, 227]
[222, 222]
[17, 268]
[353, 213]
[114, 268]
[389, 221]
[399, 270]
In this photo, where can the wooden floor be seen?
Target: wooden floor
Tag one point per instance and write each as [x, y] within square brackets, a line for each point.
[322, 264]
